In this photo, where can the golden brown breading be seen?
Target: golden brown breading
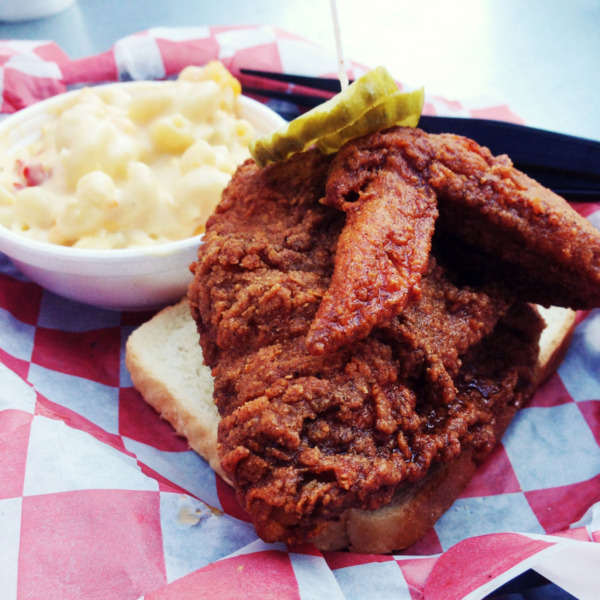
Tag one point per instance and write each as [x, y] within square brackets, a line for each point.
[549, 250]
[313, 425]
[382, 251]
[304, 437]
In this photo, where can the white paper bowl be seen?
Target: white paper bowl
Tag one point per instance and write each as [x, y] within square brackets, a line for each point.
[125, 279]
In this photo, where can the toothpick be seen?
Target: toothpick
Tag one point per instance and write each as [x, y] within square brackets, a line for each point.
[343, 76]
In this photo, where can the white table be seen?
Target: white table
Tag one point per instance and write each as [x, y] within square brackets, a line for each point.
[542, 57]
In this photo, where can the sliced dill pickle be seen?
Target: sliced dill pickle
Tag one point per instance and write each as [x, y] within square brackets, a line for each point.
[399, 108]
[336, 113]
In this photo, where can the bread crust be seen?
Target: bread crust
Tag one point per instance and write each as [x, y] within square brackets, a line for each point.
[165, 363]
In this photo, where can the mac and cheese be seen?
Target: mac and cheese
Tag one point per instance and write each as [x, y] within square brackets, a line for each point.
[117, 169]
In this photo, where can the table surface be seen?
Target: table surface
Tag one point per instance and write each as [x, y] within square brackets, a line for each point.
[542, 57]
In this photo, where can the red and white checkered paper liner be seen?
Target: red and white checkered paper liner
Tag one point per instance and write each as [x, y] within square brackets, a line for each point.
[100, 499]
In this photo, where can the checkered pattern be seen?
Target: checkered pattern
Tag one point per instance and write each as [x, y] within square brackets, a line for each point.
[32, 71]
[100, 499]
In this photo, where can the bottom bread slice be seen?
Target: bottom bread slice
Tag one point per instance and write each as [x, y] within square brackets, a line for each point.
[164, 359]
[165, 363]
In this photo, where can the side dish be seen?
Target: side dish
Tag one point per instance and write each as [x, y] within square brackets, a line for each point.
[122, 167]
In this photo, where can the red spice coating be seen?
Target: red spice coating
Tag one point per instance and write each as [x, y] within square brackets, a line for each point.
[417, 375]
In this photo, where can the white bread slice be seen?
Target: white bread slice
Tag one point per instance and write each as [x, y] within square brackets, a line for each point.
[555, 339]
[164, 359]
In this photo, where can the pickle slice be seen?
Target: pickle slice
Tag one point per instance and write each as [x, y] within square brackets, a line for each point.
[328, 118]
[400, 108]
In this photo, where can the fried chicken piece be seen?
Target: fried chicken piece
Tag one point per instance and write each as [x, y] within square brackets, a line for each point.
[389, 183]
[550, 251]
[382, 252]
[305, 437]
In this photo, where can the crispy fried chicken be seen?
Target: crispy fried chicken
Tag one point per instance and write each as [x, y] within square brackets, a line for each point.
[546, 250]
[353, 348]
